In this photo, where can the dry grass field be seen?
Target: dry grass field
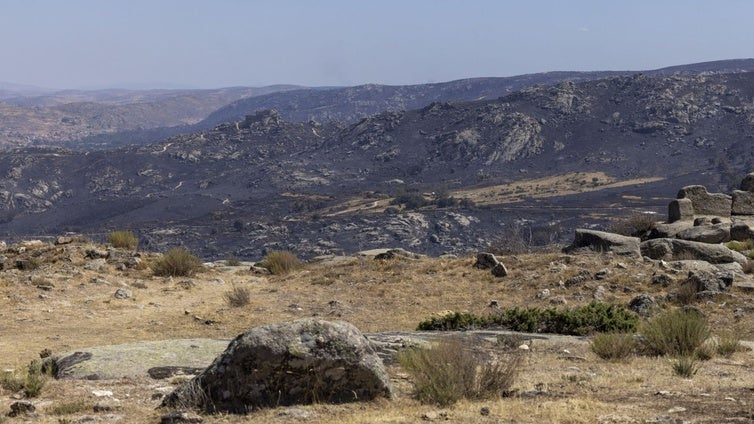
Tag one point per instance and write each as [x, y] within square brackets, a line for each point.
[62, 306]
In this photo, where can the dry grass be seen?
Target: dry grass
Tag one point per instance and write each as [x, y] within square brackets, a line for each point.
[280, 262]
[572, 387]
[176, 262]
[123, 239]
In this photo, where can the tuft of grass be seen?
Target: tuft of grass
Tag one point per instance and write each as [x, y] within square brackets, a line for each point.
[706, 351]
[740, 246]
[176, 262]
[677, 332]
[69, 408]
[686, 294]
[123, 240]
[448, 372]
[280, 262]
[238, 296]
[685, 366]
[614, 346]
[728, 344]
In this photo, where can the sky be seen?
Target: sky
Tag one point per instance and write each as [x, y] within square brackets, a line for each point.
[90, 44]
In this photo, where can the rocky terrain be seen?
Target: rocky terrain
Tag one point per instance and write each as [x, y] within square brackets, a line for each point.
[540, 161]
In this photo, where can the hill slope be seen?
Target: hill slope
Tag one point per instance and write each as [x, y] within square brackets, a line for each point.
[588, 149]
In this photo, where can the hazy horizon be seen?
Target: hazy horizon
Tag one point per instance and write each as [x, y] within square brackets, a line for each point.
[88, 44]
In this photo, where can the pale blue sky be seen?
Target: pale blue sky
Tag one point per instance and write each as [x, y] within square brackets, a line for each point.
[214, 43]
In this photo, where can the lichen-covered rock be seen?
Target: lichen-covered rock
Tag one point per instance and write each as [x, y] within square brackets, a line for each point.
[675, 249]
[300, 362]
[704, 203]
[600, 241]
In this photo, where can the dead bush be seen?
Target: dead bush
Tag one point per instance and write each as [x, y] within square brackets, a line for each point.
[176, 262]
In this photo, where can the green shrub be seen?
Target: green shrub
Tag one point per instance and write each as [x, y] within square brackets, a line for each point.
[238, 296]
[685, 366]
[176, 262]
[280, 262]
[449, 371]
[614, 346]
[452, 321]
[594, 317]
[123, 240]
[677, 332]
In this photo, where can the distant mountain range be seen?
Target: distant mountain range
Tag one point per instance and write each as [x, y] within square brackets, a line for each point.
[448, 176]
[107, 118]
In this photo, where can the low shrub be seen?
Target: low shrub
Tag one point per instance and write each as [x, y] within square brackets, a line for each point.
[176, 262]
[232, 261]
[69, 408]
[123, 240]
[591, 318]
[740, 246]
[448, 372]
[614, 346]
[238, 296]
[677, 332]
[280, 262]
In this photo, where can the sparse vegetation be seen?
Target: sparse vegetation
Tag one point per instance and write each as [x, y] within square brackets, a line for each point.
[740, 246]
[176, 262]
[123, 240]
[232, 261]
[728, 344]
[614, 346]
[676, 332]
[280, 262]
[238, 296]
[449, 371]
[69, 408]
[30, 380]
[594, 317]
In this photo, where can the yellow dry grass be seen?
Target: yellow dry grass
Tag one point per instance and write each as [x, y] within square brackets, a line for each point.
[561, 380]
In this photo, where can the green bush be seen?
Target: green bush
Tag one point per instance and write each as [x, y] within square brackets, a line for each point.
[678, 332]
[280, 262]
[176, 262]
[449, 371]
[740, 246]
[591, 318]
[238, 296]
[614, 346]
[123, 240]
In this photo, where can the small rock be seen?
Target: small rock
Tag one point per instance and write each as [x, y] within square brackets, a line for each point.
[180, 417]
[601, 274]
[524, 347]
[599, 293]
[63, 240]
[544, 294]
[485, 260]
[676, 409]
[96, 265]
[485, 411]
[558, 300]
[102, 393]
[643, 304]
[499, 270]
[21, 407]
[122, 294]
[493, 304]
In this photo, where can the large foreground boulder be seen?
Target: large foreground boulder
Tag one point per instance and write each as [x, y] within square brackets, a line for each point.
[676, 249]
[600, 241]
[717, 233]
[301, 362]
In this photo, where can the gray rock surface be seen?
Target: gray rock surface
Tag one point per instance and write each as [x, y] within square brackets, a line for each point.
[747, 184]
[743, 203]
[717, 233]
[675, 249]
[301, 362]
[704, 203]
[704, 281]
[600, 241]
[680, 210]
[643, 304]
[741, 231]
[485, 260]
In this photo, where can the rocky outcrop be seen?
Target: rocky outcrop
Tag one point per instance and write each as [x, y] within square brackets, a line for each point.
[747, 184]
[743, 203]
[704, 203]
[600, 241]
[680, 210]
[676, 249]
[305, 361]
[703, 281]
